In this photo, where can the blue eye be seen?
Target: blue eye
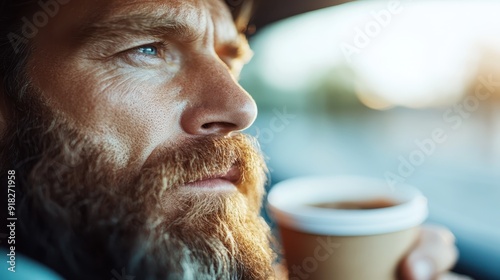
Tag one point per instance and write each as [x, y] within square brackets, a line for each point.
[153, 54]
[149, 50]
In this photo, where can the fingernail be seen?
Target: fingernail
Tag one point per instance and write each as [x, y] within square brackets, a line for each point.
[423, 269]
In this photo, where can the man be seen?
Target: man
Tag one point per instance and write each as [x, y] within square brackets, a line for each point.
[121, 123]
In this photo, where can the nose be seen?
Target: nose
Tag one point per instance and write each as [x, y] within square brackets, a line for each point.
[217, 104]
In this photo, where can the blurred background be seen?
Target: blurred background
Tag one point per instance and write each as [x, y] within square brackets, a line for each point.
[407, 91]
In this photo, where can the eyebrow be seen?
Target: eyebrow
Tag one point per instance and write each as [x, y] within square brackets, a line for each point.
[163, 26]
[138, 24]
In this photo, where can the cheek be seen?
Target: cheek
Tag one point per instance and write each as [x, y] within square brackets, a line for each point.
[139, 112]
[126, 113]
[144, 119]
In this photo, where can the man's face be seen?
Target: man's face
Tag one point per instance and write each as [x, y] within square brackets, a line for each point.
[131, 142]
[139, 76]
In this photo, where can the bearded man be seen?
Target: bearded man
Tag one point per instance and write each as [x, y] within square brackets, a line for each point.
[121, 123]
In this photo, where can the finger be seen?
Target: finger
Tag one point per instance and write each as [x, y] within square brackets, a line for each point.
[437, 244]
[433, 254]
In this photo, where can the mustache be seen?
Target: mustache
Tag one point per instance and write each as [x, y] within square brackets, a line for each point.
[204, 158]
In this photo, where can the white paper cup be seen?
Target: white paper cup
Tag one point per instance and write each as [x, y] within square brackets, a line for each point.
[322, 243]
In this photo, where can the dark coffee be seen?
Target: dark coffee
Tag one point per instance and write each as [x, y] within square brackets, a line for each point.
[357, 205]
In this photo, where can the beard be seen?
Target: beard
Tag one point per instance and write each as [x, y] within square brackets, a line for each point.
[79, 216]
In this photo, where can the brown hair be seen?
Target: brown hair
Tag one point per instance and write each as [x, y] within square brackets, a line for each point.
[12, 56]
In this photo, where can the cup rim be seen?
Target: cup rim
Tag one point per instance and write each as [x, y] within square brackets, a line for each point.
[290, 204]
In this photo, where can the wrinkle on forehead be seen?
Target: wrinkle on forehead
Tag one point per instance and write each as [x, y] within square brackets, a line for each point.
[205, 15]
[186, 11]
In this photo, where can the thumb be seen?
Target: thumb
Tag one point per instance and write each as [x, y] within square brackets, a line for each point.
[433, 254]
[418, 267]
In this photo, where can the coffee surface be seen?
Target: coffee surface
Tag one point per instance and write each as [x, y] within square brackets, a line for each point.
[357, 205]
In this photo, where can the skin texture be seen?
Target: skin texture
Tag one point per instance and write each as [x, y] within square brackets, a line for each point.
[138, 77]
[137, 103]
[126, 143]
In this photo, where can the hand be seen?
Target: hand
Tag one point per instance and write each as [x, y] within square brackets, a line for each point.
[433, 255]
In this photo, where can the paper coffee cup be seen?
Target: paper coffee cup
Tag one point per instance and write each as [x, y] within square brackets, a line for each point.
[323, 243]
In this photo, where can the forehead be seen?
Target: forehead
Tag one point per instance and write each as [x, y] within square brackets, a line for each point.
[197, 14]
[193, 11]
[186, 9]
